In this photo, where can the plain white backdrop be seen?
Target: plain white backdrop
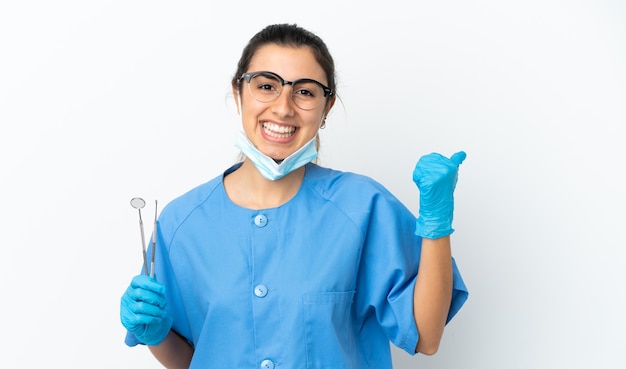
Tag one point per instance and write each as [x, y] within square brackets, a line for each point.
[103, 101]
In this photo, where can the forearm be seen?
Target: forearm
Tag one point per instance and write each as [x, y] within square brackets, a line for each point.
[433, 293]
[174, 352]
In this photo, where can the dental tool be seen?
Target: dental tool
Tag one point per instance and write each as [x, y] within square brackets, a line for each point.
[154, 236]
[138, 203]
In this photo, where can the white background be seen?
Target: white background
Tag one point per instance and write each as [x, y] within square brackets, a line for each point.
[101, 101]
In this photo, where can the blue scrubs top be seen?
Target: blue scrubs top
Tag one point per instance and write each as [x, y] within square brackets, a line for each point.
[323, 281]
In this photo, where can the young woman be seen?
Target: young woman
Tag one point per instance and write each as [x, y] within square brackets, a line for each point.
[281, 263]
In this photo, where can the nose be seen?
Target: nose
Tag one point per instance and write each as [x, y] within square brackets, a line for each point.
[284, 105]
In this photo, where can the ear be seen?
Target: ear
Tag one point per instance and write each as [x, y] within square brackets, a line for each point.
[237, 98]
[331, 103]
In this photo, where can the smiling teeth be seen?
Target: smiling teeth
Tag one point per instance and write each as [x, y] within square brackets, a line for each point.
[277, 131]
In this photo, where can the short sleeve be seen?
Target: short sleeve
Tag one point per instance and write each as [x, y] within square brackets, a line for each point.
[389, 267]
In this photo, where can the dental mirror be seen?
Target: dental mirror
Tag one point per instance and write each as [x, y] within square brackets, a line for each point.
[138, 203]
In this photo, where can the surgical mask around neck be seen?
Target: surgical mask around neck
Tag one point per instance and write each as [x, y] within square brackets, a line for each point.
[268, 167]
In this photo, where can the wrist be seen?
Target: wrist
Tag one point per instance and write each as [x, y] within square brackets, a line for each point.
[433, 228]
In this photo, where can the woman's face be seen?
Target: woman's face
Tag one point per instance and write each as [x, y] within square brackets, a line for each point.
[279, 128]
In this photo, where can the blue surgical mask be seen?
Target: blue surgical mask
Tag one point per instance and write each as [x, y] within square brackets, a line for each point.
[267, 166]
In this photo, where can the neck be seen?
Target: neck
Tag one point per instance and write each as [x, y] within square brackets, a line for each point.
[246, 187]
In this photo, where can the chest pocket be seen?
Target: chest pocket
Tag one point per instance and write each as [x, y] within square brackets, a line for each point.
[328, 329]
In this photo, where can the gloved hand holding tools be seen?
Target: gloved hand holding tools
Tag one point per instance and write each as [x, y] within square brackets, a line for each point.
[143, 310]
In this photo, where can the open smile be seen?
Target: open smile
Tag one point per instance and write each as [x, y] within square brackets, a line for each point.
[278, 131]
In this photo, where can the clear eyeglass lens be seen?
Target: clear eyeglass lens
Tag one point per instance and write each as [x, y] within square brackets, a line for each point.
[306, 94]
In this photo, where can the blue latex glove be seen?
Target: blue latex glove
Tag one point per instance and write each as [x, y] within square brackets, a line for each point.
[143, 310]
[435, 177]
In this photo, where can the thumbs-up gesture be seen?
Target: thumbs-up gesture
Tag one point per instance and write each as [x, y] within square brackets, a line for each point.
[436, 177]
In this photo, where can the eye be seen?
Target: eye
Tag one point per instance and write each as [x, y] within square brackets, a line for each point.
[304, 93]
[307, 90]
[265, 84]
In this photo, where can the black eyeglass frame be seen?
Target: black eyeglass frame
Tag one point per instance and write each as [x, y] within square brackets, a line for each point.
[249, 75]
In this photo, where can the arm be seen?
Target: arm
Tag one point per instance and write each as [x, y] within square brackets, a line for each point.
[174, 352]
[433, 292]
[436, 177]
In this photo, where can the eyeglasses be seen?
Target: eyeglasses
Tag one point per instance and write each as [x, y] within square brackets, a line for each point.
[306, 93]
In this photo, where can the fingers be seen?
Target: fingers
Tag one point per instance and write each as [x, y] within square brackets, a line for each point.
[136, 312]
[137, 316]
[141, 307]
[145, 296]
[145, 290]
[142, 312]
[146, 283]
